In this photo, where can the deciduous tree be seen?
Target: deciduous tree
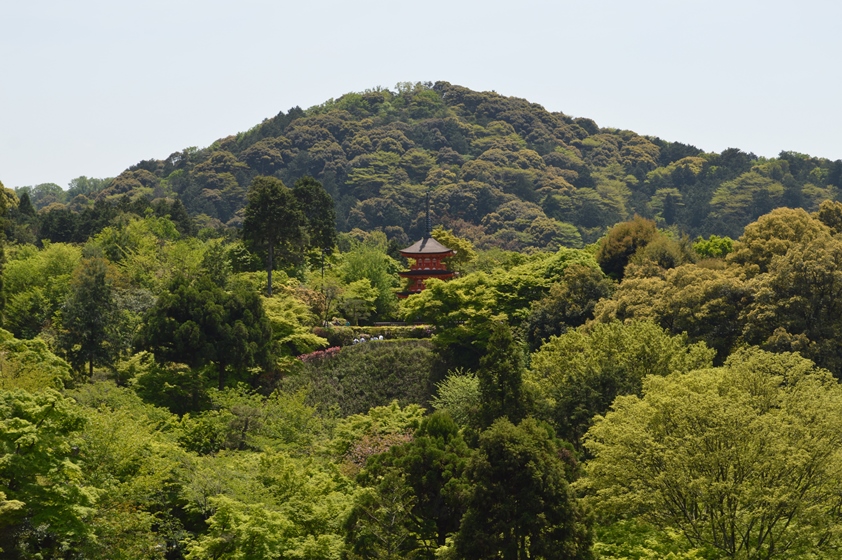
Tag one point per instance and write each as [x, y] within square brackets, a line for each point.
[744, 458]
[45, 504]
[578, 375]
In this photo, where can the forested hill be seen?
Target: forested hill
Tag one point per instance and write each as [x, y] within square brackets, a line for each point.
[502, 172]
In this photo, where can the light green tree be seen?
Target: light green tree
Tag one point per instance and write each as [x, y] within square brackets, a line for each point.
[578, 375]
[369, 261]
[47, 506]
[744, 458]
[458, 395]
[360, 299]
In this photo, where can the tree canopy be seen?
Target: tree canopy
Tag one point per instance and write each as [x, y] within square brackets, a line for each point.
[740, 459]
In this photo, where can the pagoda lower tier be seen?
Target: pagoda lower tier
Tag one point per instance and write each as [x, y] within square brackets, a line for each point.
[417, 279]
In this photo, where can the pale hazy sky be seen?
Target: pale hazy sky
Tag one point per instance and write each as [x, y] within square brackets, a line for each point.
[91, 87]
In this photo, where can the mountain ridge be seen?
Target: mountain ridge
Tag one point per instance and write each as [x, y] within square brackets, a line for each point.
[502, 171]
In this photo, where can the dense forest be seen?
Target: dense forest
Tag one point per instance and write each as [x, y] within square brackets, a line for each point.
[206, 357]
[502, 172]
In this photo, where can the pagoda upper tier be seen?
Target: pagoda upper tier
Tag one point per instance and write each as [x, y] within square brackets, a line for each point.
[428, 255]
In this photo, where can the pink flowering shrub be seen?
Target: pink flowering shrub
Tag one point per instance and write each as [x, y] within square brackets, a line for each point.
[320, 355]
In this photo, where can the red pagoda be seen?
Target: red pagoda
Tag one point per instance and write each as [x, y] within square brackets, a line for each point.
[428, 254]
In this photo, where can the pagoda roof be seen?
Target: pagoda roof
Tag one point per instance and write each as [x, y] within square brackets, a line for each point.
[426, 246]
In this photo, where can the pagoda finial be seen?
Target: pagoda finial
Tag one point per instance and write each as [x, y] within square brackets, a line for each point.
[429, 232]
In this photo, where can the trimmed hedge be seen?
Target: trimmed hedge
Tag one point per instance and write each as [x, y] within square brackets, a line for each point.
[344, 336]
[369, 374]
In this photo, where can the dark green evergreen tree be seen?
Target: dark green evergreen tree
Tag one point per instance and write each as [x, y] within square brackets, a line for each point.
[317, 206]
[433, 466]
[175, 211]
[521, 506]
[25, 207]
[569, 304]
[58, 225]
[274, 224]
[501, 377]
[198, 323]
[89, 317]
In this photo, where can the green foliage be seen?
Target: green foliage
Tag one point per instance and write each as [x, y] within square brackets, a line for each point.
[505, 173]
[830, 214]
[368, 261]
[714, 247]
[750, 448]
[358, 437]
[239, 419]
[622, 242]
[30, 365]
[47, 504]
[705, 303]
[317, 206]
[89, 318]
[463, 309]
[35, 285]
[239, 531]
[460, 310]
[269, 505]
[291, 321]
[746, 198]
[360, 300]
[465, 252]
[327, 467]
[569, 303]
[458, 395]
[149, 252]
[198, 323]
[577, 375]
[773, 235]
[370, 374]
[531, 280]
[416, 497]
[128, 456]
[173, 386]
[500, 378]
[776, 289]
[635, 540]
[273, 222]
[520, 505]
[377, 527]
[796, 306]
[664, 252]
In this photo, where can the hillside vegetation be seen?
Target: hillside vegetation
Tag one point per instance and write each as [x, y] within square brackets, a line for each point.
[638, 359]
[503, 172]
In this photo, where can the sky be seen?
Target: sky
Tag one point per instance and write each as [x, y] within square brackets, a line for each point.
[91, 87]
